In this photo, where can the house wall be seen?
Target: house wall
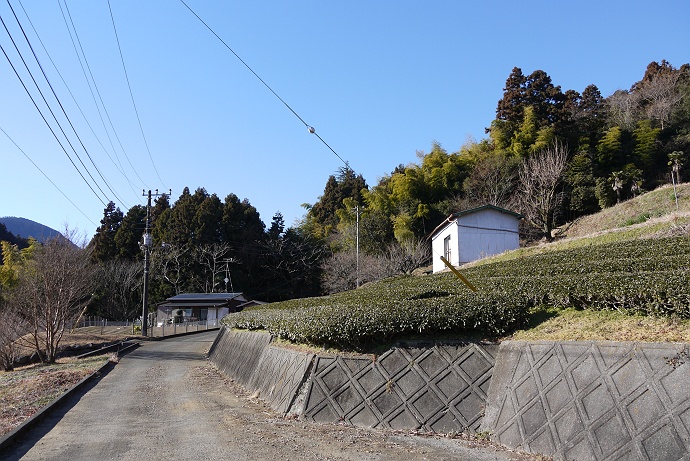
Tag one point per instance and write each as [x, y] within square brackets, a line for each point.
[437, 246]
[486, 233]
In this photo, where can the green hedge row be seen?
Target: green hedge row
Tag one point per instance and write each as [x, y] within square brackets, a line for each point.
[387, 309]
[650, 277]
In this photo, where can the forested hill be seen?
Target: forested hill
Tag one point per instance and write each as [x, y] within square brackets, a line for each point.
[25, 228]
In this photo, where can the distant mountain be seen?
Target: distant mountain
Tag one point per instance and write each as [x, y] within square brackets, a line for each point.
[26, 228]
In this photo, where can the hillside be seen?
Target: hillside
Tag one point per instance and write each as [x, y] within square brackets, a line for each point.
[655, 209]
[630, 284]
[26, 228]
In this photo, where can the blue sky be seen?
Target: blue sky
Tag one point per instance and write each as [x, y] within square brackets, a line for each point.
[378, 80]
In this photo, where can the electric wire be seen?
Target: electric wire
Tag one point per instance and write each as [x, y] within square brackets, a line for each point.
[46, 121]
[118, 164]
[47, 177]
[63, 109]
[309, 127]
[95, 86]
[129, 86]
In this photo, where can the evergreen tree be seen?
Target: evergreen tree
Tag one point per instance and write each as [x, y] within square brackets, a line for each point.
[129, 235]
[104, 246]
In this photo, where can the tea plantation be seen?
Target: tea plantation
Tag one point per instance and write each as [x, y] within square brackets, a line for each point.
[644, 276]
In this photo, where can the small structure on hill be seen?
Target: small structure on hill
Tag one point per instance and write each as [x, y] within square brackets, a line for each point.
[193, 307]
[473, 234]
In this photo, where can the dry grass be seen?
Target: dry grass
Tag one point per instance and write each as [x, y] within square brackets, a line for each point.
[584, 325]
[26, 390]
[645, 209]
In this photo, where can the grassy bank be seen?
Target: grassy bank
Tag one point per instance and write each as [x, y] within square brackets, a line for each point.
[627, 273]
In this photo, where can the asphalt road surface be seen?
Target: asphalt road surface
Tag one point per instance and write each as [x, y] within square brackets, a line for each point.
[164, 401]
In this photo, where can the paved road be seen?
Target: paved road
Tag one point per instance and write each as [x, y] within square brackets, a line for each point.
[165, 402]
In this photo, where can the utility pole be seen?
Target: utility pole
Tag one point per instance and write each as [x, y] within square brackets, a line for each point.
[357, 246]
[147, 256]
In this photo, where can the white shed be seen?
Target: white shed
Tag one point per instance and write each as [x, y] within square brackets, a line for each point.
[473, 234]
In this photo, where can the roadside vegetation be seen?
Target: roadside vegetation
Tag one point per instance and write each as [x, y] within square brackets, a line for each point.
[26, 390]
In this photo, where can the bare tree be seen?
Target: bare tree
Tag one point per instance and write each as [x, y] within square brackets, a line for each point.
[403, 259]
[540, 181]
[492, 181]
[53, 290]
[340, 271]
[12, 328]
[622, 108]
[661, 95]
[211, 258]
[171, 262]
[120, 289]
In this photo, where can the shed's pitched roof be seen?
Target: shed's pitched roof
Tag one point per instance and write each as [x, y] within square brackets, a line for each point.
[486, 207]
[459, 214]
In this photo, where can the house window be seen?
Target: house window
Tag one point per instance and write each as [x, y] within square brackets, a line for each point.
[446, 248]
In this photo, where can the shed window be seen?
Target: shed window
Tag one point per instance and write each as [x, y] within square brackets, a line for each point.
[446, 248]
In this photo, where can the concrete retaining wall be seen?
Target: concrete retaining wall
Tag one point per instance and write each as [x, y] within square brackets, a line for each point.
[570, 400]
[592, 400]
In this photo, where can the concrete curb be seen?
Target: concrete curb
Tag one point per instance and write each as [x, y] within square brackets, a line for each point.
[39, 416]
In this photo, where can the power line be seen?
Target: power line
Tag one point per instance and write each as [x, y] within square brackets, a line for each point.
[95, 86]
[46, 176]
[48, 124]
[118, 164]
[311, 129]
[62, 107]
[129, 86]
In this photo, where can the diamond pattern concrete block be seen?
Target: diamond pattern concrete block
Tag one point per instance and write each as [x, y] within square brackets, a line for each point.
[568, 425]
[370, 380]
[447, 423]
[474, 365]
[628, 377]
[543, 442]
[410, 383]
[611, 435]
[581, 451]
[664, 444]
[597, 401]
[403, 420]
[645, 409]
[526, 391]
[408, 387]
[558, 396]
[428, 405]
[549, 370]
[471, 409]
[447, 384]
[533, 418]
[610, 401]
[585, 373]
[335, 376]
[386, 402]
[393, 361]
[325, 414]
[432, 364]
[364, 417]
[347, 400]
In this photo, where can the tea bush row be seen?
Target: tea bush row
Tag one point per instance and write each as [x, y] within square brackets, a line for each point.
[649, 277]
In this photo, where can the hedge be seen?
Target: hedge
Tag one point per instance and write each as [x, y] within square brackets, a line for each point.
[650, 277]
